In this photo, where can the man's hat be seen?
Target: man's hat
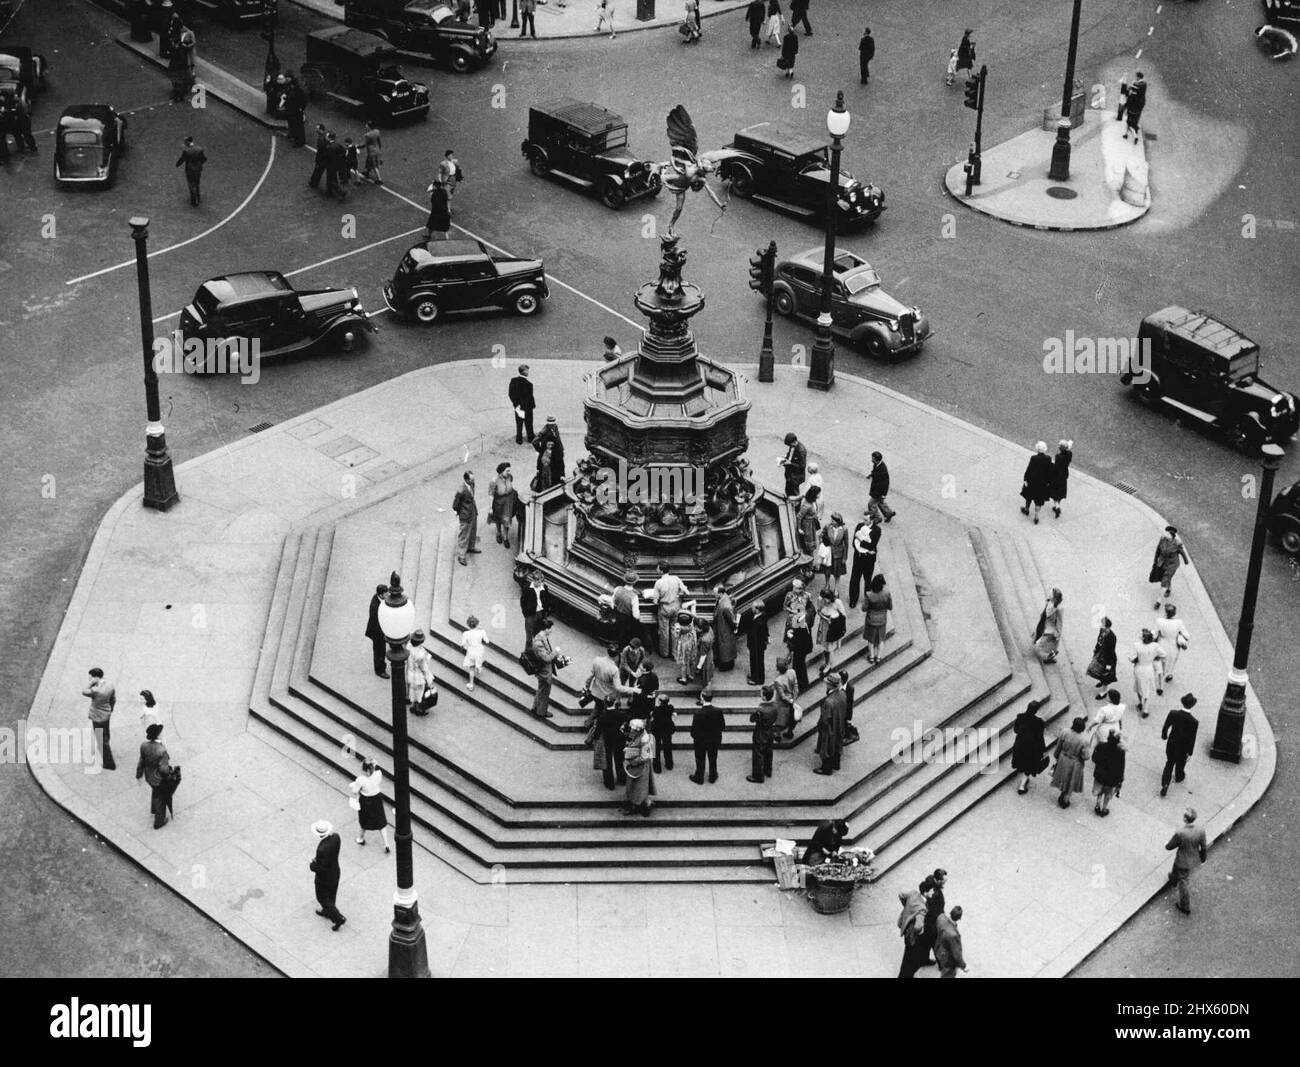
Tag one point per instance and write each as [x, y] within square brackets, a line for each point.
[322, 828]
[1188, 701]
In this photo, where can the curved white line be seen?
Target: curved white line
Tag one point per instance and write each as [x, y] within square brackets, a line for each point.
[197, 237]
[505, 252]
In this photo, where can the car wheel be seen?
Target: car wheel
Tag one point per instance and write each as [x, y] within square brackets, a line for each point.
[742, 183]
[426, 311]
[875, 344]
[460, 62]
[1290, 540]
[783, 302]
[526, 303]
[611, 195]
[1244, 437]
[537, 164]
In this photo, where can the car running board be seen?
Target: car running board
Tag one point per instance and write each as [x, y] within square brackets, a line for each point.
[785, 205]
[1200, 416]
[571, 178]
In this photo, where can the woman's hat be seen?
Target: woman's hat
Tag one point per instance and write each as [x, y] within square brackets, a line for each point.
[322, 828]
[1171, 529]
[1041, 446]
[502, 467]
[417, 638]
[1067, 444]
[152, 732]
[636, 726]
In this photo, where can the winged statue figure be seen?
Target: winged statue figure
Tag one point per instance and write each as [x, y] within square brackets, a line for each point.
[689, 169]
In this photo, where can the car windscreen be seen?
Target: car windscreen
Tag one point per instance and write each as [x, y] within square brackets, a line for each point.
[1244, 365]
[867, 279]
[615, 139]
[80, 137]
[814, 161]
[206, 301]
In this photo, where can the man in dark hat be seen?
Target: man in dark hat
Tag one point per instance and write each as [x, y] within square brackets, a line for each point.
[707, 725]
[192, 158]
[879, 488]
[764, 736]
[295, 108]
[866, 545]
[627, 610]
[754, 624]
[322, 157]
[378, 644]
[866, 53]
[1179, 736]
[520, 392]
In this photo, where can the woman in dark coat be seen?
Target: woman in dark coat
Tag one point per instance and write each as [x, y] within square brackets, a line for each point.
[1029, 754]
[1107, 772]
[1071, 752]
[1061, 474]
[439, 213]
[789, 50]
[1037, 485]
[155, 767]
[826, 841]
[1104, 659]
[724, 630]
[966, 52]
[806, 523]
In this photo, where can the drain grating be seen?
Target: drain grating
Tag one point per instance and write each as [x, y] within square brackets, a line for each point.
[1060, 192]
[1124, 487]
[260, 427]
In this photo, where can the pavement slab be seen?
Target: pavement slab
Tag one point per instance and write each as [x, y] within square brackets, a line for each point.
[246, 804]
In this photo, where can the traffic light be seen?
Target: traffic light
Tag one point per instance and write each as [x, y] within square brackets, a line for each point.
[758, 271]
[973, 85]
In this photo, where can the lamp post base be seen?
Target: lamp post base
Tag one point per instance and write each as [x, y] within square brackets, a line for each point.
[1231, 723]
[821, 370]
[1060, 169]
[767, 355]
[408, 953]
[159, 479]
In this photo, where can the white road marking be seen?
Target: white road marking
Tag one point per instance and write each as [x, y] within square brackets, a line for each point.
[1137, 54]
[497, 248]
[197, 237]
[355, 251]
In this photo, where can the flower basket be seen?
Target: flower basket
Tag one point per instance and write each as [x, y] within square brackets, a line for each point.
[830, 895]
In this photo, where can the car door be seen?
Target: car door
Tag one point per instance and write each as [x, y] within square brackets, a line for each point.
[781, 176]
[806, 284]
[480, 281]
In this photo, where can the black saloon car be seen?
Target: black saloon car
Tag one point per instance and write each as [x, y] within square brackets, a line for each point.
[238, 12]
[261, 305]
[360, 70]
[791, 170]
[88, 141]
[25, 68]
[463, 276]
[1284, 518]
[1283, 13]
[1202, 369]
[861, 310]
[425, 28]
[586, 145]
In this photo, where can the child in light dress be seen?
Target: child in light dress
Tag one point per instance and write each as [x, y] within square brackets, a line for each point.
[474, 642]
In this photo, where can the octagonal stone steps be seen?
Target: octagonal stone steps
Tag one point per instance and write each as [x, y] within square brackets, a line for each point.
[450, 805]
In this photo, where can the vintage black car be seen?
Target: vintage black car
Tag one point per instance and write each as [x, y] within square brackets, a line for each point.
[1284, 518]
[23, 67]
[360, 70]
[861, 310]
[425, 28]
[261, 305]
[1202, 369]
[586, 145]
[463, 276]
[88, 142]
[791, 170]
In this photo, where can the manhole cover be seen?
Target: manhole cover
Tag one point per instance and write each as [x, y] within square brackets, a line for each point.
[1060, 192]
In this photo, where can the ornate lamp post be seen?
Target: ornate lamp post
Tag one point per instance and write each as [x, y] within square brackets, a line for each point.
[821, 374]
[1060, 169]
[159, 478]
[408, 955]
[1231, 722]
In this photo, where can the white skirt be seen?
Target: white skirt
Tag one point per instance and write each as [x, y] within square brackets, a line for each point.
[474, 658]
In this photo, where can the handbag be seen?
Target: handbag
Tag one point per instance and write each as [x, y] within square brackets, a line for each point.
[1097, 670]
[593, 731]
[585, 697]
[798, 712]
[428, 700]
[1156, 576]
[684, 30]
[823, 555]
[1042, 624]
[1180, 641]
[835, 631]
[528, 662]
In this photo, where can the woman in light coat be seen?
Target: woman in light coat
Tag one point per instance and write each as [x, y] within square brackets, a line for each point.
[785, 692]
[773, 32]
[419, 673]
[638, 763]
[370, 811]
[685, 647]
[1047, 641]
[1148, 661]
[1171, 633]
[1071, 753]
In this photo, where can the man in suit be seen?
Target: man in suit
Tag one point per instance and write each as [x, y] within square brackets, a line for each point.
[754, 623]
[764, 720]
[295, 110]
[103, 699]
[880, 487]
[192, 159]
[795, 464]
[947, 945]
[336, 165]
[548, 659]
[1187, 844]
[1179, 736]
[830, 727]
[706, 732]
[466, 509]
[326, 868]
[520, 392]
[866, 545]
[378, 644]
[322, 157]
[532, 603]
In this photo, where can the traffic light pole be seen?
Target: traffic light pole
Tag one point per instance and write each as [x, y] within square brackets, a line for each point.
[766, 354]
[975, 101]
[979, 123]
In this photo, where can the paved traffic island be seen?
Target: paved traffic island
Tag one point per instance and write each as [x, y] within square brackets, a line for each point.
[182, 603]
